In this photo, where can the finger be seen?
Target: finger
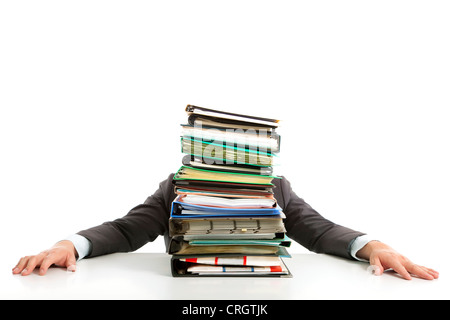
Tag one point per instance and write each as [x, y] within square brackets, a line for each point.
[434, 273]
[33, 262]
[421, 272]
[418, 271]
[46, 263]
[401, 270]
[72, 268]
[71, 264]
[20, 265]
[377, 267]
[30, 266]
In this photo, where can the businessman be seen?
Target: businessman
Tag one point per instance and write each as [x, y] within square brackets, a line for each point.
[149, 220]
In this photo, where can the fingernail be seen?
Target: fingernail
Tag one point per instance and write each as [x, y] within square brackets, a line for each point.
[72, 268]
[24, 271]
[16, 270]
[374, 269]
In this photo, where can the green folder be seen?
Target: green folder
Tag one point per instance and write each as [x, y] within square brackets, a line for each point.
[189, 173]
[284, 242]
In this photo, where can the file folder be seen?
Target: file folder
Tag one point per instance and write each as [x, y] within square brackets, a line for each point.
[184, 210]
[184, 266]
[248, 227]
[228, 119]
[269, 140]
[199, 163]
[190, 173]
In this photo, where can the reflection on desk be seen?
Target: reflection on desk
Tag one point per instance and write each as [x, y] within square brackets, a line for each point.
[147, 276]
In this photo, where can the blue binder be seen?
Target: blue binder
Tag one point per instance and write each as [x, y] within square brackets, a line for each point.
[182, 210]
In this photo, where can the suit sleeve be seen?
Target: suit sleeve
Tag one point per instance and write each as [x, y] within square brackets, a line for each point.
[142, 224]
[306, 226]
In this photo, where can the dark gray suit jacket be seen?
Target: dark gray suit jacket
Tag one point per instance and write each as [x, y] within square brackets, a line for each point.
[149, 220]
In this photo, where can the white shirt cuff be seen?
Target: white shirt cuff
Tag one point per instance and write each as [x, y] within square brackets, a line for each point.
[81, 244]
[358, 244]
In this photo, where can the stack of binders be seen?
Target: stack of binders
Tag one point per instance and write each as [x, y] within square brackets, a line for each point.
[225, 220]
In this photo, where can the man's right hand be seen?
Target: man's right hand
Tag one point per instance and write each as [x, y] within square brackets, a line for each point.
[62, 254]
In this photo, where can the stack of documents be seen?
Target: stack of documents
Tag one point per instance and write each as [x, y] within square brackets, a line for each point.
[225, 220]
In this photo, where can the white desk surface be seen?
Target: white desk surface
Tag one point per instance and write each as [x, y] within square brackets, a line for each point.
[147, 276]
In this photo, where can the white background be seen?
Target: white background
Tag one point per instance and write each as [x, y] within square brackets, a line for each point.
[92, 94]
